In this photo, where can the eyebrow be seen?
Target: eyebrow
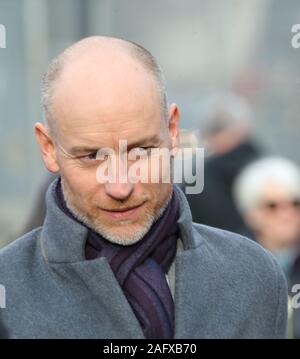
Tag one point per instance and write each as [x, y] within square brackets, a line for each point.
[82, 149]
[155, 139]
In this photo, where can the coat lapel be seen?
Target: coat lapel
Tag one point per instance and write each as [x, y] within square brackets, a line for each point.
[63, 247]
[99, 280]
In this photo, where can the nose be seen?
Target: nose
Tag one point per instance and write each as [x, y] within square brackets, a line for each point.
[119, 187]
[119, 191]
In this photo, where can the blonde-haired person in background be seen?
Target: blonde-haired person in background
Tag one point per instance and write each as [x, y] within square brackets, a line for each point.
[267, 193]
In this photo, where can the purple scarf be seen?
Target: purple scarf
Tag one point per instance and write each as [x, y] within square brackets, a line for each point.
[140, 268]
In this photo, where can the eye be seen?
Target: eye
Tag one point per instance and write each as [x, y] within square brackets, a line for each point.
[89, 157]
[92, 156]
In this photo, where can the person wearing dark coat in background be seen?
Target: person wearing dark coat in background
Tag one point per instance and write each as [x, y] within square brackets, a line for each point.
[226, 132]
[3, 334]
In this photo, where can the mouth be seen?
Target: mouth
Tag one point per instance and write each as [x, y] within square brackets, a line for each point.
[122, 213]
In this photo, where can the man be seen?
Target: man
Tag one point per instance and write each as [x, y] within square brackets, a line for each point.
[121, 258]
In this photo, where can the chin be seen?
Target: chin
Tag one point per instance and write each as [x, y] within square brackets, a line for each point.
[128, 234]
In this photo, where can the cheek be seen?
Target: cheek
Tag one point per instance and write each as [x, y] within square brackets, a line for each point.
[160, 193]
[296, 216]
[255, 219]
[81, 183]
[156, 192]
[293, 222]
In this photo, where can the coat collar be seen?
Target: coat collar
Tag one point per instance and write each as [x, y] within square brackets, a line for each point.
[63, 247]
[63, 239]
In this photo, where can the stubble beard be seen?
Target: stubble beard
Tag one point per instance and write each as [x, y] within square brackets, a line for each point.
[121, 238]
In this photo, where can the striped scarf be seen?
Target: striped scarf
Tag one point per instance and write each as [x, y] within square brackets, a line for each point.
[141, 268]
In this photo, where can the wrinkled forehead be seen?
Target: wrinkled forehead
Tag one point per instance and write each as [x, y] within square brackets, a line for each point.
[96, 101]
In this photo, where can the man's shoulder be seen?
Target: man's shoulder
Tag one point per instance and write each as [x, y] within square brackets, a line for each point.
[223, 243]
[238, 255]
[244, 274]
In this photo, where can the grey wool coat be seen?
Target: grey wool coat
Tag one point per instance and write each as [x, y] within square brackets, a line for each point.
[226, 286]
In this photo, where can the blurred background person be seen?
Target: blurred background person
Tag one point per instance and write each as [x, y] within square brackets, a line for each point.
[3, 334]
[267, 193]
[225, 130]
[186, 161]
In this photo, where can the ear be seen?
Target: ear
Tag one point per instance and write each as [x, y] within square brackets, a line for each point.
[47, 147]
[174, 116]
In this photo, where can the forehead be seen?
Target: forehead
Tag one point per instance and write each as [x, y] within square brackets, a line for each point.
[274, 190]
[96, 101]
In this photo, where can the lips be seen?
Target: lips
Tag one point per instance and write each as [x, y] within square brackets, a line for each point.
[122, 213]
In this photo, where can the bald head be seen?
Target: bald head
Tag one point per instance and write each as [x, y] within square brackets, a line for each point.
[97, 57]
[98, 94]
